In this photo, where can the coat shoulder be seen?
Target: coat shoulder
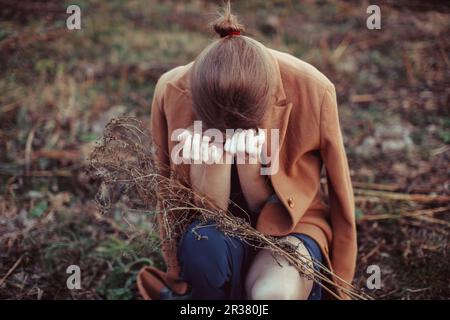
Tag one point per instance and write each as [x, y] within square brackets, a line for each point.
[295, 70]
[177, 75]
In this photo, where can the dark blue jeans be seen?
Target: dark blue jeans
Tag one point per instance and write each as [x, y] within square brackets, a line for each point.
[215, 265]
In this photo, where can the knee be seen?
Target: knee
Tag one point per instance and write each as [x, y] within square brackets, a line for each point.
[202, 247]
[199, 238]
[266, 291]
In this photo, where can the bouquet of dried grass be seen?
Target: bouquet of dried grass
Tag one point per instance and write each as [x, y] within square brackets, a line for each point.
[124, 164]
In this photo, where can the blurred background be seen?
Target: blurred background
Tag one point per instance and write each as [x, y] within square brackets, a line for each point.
[60, 87]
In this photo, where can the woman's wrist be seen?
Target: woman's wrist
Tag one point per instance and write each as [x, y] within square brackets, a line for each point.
[256, 187]
[212, 181]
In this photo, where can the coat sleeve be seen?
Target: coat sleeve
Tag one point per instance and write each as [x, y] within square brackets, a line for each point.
[158, 130]
[160, 138]
[342, 207]
[159, 134]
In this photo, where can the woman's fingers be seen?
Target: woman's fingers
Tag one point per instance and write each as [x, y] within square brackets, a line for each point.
[252, 147]
[198, 148]
[236, 143]
[214, 154]
[245, 141]
[241, 147]
[233, 143]
[261, 142]
[227, 144]
[196, 140]
[195, 148]
[241, 142]
[261, 137]
[186, 154]
[205, 148]
[249, 141]
[183, 135]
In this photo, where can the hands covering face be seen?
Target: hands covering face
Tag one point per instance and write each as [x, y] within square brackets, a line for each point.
[244, 144]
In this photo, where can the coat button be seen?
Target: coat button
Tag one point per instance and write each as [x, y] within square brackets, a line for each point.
[290, 202]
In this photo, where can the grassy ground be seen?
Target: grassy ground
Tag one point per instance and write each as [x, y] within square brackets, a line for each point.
[59, 88]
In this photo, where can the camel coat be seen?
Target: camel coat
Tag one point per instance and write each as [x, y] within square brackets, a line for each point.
[306, 114]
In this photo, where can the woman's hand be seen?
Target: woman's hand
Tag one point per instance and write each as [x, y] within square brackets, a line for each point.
[247, 146]
[210, 175]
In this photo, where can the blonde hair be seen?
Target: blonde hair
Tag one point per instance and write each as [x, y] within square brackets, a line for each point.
[232, 79]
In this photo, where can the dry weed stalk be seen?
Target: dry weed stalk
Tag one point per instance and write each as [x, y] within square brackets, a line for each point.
[124, 164]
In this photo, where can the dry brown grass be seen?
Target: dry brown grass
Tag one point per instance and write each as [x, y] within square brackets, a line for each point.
[124, 162]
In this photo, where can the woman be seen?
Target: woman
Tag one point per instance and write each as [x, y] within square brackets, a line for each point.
[237, 83]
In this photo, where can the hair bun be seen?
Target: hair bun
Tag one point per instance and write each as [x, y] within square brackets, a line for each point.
[227, 23]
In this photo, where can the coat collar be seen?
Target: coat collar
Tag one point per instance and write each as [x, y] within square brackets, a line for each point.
[278, 113]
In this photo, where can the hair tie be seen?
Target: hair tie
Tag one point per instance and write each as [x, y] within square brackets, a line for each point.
[232, 33]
